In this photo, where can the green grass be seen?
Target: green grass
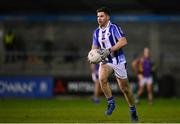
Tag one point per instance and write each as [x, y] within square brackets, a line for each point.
[82, 110]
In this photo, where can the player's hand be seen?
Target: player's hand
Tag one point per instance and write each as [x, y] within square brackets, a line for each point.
[105, 53]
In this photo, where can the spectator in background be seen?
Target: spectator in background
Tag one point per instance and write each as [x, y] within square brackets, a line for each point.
[143, 68]
[8, 40]
[95, 78]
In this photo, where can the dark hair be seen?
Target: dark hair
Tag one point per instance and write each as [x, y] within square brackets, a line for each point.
[104, 9]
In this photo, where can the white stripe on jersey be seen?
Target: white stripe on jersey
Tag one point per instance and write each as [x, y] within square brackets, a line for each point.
[107, 44]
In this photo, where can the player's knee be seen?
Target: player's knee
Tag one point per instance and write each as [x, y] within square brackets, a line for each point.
[103, 80]
[125, 90]
[149, 90]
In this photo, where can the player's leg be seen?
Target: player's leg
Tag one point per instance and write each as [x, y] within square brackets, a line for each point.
[140, 91]
[150, 90]
[95, 79]
[141, 88]
[139, 77]
[96, 91]
[104, 72]
[122, 79]
[125, 88]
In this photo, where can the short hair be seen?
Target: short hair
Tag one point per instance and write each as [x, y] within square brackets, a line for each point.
[106, 10]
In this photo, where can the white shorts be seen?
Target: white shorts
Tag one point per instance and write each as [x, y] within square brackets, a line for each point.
[119, 70]
[146, 80]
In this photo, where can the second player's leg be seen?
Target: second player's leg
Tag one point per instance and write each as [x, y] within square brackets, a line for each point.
[140, 90]
[150, 92]
[97, 90]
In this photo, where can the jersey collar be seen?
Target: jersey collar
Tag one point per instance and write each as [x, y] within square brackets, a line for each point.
[106, 26]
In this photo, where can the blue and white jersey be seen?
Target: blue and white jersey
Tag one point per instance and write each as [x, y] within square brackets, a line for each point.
[108, 37]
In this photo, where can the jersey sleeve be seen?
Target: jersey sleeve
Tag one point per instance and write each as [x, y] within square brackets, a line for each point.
[118, 32]
[95, 39]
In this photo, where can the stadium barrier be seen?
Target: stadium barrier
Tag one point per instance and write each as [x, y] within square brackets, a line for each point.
[26, 86]
[81, 86]
[47, 86]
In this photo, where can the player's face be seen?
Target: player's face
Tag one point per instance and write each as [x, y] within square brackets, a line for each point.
[102, 19]
[146, 52]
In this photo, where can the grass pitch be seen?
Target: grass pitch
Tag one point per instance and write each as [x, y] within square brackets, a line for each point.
[82, 110]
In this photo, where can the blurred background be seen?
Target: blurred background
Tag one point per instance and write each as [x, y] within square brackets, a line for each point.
[44, 44]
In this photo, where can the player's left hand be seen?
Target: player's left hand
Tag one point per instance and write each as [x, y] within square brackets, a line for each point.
[105, 53]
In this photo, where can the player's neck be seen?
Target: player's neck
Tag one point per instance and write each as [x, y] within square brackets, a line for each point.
[105, 25]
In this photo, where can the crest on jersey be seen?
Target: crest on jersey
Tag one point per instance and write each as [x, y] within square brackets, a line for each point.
[108, 34]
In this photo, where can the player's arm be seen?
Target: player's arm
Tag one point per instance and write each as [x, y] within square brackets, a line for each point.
[121, 43]
[95, 43]
[93, 68]
[134, 64]
[118, 33]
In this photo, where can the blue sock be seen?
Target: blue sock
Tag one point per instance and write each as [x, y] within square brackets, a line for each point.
[110, 100]
[134, 117]
[132, 109]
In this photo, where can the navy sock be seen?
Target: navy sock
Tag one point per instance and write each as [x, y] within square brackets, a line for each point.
[110, 100]
[133, 109]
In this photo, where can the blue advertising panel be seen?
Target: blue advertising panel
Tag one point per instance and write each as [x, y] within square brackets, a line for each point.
[20, 86]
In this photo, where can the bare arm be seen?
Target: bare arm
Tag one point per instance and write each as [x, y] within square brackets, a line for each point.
[121, 43]
[93, 67]
[134, 65]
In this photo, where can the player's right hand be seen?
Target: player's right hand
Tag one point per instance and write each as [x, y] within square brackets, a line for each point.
[105, 53]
